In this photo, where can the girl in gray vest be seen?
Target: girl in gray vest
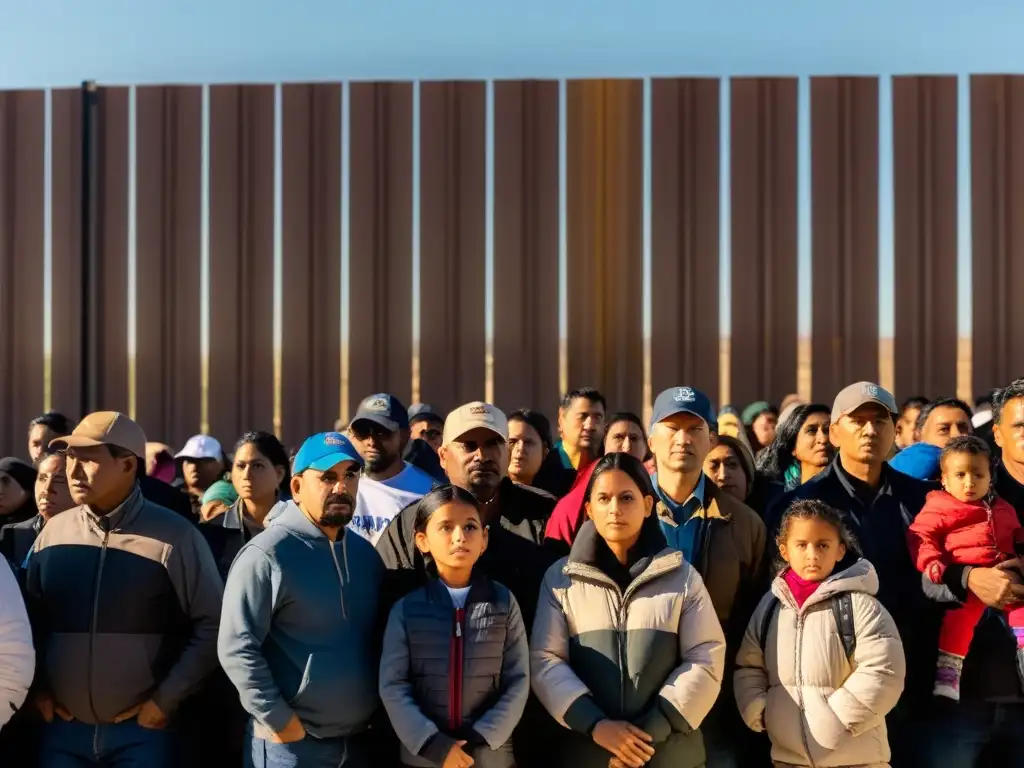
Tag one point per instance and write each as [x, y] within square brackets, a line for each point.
[454, 674]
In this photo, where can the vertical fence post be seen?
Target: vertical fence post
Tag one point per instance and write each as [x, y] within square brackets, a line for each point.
[90, 326]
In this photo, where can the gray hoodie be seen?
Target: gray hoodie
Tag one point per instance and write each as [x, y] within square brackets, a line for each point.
[298, 627]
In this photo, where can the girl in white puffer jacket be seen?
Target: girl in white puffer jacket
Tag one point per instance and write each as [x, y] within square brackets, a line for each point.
[821, 663]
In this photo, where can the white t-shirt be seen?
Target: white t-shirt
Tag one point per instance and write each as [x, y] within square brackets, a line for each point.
[379, 502]
[458, 595]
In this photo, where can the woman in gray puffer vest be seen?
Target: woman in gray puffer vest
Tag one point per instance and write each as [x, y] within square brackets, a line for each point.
[454, 674]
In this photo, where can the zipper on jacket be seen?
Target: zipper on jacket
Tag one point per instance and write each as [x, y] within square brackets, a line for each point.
[455, 650]
[800, 684]
[341, 580]
[104, 524]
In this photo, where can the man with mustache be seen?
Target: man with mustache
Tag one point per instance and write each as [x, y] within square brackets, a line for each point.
[298, 633]
[878, 504]
[722, 537]
[380, 432]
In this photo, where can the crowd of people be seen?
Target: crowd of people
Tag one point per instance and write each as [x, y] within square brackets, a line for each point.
[808, 584]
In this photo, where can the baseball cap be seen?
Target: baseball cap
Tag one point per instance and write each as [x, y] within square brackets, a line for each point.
[862, 393]
[683, 400]
[384, 410]
[423, 412]
[201, 447]
[323, 451]
[475, 415]
[105, 428]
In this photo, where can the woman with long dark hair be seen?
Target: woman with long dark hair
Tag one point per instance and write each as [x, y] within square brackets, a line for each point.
[638, 700]
[801, 448]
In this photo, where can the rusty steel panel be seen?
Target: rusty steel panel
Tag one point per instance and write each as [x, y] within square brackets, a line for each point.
[453, 196]
[241, 368]
[925, 195]
[685, 150]
[526, 354]
[22, 193]
[168, 173]
[66, 250]
[605, 231]
[111, 365]
[380, 243]
[764, 238]
[311, 236]
[997, 191]
[844, 223]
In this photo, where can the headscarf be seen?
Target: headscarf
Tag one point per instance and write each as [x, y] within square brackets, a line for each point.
[222, 491]
[752, 411]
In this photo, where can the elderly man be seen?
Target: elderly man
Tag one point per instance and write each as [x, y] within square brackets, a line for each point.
[125, 601]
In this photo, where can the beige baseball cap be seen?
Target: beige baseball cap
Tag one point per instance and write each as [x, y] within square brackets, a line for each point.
[105, 428]
[862, 393]
[477, 415]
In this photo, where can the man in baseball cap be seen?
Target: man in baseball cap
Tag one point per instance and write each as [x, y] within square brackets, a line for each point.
[202, 465]
[380, 432]
[145, 559]
[722, 537]
[327, 607]
[426, 424]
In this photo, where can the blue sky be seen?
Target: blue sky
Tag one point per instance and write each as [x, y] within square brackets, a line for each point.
[47, 43]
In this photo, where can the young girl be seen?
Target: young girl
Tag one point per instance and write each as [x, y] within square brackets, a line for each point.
[966, 524]
[821, 662]
[454, 674]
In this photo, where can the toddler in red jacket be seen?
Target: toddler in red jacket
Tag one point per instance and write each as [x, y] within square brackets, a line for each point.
[965, 524]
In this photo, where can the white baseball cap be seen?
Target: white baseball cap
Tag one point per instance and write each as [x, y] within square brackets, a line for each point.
[201, 447]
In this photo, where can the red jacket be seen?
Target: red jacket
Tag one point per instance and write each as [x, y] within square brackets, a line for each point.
[949, 531]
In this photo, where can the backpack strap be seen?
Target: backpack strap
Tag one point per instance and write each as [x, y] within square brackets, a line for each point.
[842, 611]
[766, 621]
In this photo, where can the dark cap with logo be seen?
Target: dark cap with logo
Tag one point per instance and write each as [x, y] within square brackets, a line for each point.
[384, 410]
[424, 412]
[862, 393]
[683, 400]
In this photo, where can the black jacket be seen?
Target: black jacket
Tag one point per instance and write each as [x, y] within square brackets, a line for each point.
[163, 495]
[553, 476]
[422, 456]
[16, 541]
[879, 520]
[989, 669]
[515, 555]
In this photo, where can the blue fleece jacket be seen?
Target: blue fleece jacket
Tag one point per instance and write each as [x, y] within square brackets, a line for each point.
[920, 460]
[297, 630]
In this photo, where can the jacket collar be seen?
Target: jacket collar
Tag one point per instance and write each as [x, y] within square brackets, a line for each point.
[858, 489]
[481, 590]
[1008, 488]
[708, 506]
[120, 517]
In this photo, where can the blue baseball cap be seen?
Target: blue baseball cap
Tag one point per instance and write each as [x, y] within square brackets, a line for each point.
[323, 451]
[384, 410]
[683, 400]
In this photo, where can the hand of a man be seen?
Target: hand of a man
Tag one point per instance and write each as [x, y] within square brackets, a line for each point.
[996, 587]
[292, 732]
[151, 716]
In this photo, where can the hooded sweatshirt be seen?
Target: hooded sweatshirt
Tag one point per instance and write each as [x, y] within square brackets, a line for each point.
[819, 708]
[920, 460]
[298, 629]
